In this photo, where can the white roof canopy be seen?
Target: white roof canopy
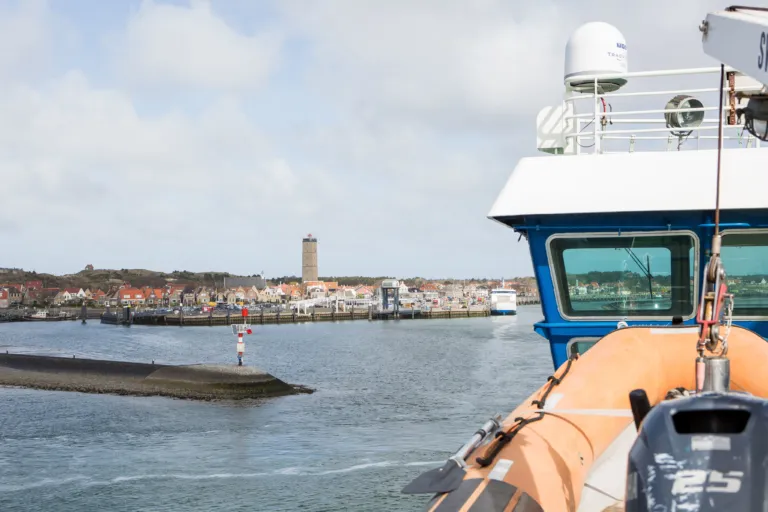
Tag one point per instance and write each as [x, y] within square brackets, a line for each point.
[634, 182]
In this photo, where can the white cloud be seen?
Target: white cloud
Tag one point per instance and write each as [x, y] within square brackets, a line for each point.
[186, 47]
[446, 62]
[431, 104]
[85, 170]
[475, 65]
[25, 36]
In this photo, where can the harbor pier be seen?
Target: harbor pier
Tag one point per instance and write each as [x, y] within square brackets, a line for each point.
[123, 317]
[197, 381]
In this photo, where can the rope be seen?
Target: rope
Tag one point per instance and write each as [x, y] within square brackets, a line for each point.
[554, 381]
[675, 393]
[502, 438]
[719, 149]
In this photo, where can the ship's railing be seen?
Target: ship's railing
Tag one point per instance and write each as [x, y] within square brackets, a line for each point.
[633, 117]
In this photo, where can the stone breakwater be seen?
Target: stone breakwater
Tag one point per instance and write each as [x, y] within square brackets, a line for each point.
[197, 382]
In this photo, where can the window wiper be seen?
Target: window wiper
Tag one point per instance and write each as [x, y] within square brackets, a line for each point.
[645, 268]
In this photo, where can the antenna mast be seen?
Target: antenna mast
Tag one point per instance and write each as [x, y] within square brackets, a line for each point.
[716, 250]
[716, 306]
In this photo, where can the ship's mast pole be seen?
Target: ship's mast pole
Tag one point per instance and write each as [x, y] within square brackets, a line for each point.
[713, 371]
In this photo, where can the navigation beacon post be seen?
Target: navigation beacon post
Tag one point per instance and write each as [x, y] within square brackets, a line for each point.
[239, 330]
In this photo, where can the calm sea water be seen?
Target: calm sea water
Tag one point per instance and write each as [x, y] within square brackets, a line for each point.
[393, 399]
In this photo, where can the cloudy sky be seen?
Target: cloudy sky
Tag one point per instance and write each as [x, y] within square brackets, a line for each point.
[214, 135]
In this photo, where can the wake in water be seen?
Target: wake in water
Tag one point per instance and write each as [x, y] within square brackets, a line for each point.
[85, 481]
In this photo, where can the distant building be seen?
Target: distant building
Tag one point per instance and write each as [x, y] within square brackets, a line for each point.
[15, 295]
[309, 258]
[89, 267]
[246, 282]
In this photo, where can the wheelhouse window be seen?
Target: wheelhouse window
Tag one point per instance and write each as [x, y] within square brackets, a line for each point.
[632, 275]
[745, 258]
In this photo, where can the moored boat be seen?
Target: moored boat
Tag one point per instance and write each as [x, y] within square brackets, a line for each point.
[658, 397]
[40, 314]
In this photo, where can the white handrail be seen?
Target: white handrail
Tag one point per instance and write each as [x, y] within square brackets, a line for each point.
[649, 130]
[648, 74]
[576, 96]
[638, 112]
[604, 112]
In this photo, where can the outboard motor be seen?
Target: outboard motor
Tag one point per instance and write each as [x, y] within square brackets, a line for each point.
[707, 452]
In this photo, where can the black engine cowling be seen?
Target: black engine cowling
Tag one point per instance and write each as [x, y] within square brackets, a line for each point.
[702, 453]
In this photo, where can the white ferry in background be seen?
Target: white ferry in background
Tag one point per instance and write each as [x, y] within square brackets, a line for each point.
[503, 301]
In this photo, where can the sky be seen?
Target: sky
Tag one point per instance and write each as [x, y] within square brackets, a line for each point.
[196, 135]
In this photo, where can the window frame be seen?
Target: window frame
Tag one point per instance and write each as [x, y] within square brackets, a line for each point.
[619, 234]
[573, 341]
[740, 231]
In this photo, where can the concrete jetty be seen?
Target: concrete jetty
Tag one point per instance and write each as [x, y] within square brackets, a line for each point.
[199, 381]
[286, 317]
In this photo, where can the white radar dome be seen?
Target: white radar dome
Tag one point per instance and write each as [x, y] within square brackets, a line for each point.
[596, 48]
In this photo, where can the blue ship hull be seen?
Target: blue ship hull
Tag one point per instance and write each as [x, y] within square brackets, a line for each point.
[502, 313]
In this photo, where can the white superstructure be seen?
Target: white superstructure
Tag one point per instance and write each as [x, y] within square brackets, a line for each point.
[503, 301]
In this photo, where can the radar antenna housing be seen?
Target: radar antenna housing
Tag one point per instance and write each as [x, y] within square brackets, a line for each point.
[596, 48]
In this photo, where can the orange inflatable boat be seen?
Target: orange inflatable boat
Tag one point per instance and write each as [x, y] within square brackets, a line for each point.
[566, 447]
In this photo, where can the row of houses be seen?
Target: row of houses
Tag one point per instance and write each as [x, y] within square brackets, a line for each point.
[33, 293]
[174, 295]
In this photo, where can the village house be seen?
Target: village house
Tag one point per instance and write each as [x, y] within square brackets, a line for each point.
[131, 296]
[364, 292]
[264, 295]
[429, 287]
[47, 295]
[14, 295]
[34, 285]
[292, 292]
[154, 296]
[203, 295]
[346, 292]
[4, 302]
[274, 294]
[173, 294]
[99, 297]
[68, 295]
[252, 294]
[188, 296]
[18, 286]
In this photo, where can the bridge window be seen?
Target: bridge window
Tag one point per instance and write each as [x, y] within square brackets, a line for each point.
[630, 275]
[745, 258]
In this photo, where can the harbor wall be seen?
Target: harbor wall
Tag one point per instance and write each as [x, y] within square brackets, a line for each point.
[202, 382]
[119, 318]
